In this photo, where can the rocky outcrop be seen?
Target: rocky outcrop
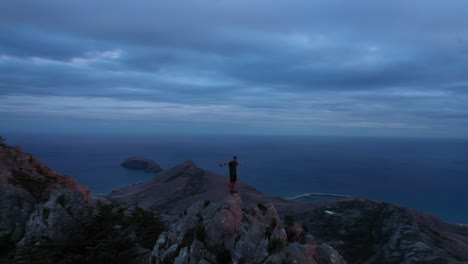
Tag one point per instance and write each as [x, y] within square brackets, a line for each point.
[45, 217]
[16, 205]
[225, 232]
[37, 203]
[137, 163]
[24, 171]
[362, 231]
[366, 231]
[52, 220]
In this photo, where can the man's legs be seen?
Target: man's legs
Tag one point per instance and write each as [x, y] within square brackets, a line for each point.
[231, 186]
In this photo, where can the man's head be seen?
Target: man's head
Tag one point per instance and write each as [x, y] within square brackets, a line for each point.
[234, 158]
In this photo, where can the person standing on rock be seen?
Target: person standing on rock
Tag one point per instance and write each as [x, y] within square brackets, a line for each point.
[232, 172]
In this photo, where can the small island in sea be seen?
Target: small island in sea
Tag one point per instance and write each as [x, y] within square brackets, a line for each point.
[139, 163]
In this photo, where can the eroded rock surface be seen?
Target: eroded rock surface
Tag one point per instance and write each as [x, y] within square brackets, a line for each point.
[225, 232]
[37, 203]
[24, 171]
[54, 219]
[366, 231]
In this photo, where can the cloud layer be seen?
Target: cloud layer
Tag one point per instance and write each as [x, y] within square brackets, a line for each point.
[307, 67]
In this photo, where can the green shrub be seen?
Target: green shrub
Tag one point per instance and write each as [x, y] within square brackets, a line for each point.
[35, 185]
[169, 259]
[104, 237]
[242, 260]
[275, 245]
[62, 200]
[223, 255]
[274, 223]
[268, 232]
[45, 253]
[262, 207]
[289, 220]
[200, 232]
[147, 227]
[7, 248]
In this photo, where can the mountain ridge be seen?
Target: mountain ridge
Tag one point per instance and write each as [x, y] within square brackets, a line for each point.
[362, 230]
[175, 189]
[39, 206]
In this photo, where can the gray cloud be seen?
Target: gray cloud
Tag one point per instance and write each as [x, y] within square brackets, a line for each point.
[363, 61]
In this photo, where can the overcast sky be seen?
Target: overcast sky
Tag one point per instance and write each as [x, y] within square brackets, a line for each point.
[381, 68]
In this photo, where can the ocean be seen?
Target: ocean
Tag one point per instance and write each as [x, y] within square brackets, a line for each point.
[430, 175]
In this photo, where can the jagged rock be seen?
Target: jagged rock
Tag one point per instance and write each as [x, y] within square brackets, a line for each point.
[68, 182]
[55, 218]
[225, 232]
[25, 171]
[137, 163]
[365, 231]
[15, 207]
[36, 202]
[45, 215]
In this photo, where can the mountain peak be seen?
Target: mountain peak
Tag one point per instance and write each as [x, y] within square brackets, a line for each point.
[225, 232]
[175, 189]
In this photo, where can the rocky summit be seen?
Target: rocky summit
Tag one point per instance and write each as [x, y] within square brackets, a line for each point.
[360, 230]
[175, 189]
[225, 232]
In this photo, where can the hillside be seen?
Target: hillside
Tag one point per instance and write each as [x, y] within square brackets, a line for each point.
[46, 217]
[361, 230]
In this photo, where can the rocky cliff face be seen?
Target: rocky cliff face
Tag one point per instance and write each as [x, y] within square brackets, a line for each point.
[225, 232]
[46, 218]
[24, 171]
[36, 202]
[366, 231]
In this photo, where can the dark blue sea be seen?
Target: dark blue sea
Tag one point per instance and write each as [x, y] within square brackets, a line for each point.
[427, 174]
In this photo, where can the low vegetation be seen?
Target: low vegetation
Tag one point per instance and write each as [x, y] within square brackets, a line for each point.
[113, 234]
[35, 185]
[275, 245]
[262, 207]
